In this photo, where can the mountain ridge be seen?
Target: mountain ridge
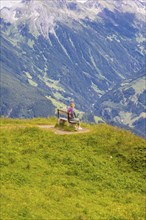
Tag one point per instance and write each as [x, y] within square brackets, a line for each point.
[45, 14]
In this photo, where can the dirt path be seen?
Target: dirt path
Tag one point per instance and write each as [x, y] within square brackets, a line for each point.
[57, 131]
[50, 127]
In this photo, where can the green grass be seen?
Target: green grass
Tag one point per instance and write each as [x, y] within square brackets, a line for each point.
[26, 122]
[46, 176]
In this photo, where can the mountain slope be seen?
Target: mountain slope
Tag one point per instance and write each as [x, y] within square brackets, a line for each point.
[21, 100]
[99, 175]
[125, 105]
[69, 49]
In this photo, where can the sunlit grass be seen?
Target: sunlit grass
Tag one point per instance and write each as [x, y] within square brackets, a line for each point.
[33, 121]
[97, 175]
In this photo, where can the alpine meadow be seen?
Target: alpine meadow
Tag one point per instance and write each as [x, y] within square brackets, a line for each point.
[48, 176]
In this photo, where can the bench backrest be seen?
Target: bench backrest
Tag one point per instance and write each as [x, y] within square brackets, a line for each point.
[63, 112]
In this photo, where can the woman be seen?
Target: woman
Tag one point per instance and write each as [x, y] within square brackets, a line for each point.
[72, 116]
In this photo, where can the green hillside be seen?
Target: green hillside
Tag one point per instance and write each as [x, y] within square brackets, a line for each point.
[91, 176]
[20, 99]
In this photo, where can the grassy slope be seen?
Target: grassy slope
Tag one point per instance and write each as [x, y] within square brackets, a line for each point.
[44, 176]
[19, 99]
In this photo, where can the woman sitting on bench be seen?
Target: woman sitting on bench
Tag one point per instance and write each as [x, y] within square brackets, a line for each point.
[72, 116]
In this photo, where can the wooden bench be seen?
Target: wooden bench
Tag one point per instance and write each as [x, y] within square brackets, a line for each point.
[63, 116]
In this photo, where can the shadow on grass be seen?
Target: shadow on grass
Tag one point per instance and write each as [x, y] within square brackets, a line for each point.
[65, 127]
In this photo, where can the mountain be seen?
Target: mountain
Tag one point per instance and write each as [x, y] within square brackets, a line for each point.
[124, 105]
[19, 99]
[71, 49]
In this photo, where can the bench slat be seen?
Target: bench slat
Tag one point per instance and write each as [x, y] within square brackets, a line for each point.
[61, 118]
[62, 112]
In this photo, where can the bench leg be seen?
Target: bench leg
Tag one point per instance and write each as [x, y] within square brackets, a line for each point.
[61, 122]
[58, 121]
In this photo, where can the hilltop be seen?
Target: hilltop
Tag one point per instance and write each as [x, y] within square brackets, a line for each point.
[47, 176]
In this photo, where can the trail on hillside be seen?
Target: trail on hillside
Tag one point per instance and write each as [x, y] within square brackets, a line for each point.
[50, 127]
[58, 131]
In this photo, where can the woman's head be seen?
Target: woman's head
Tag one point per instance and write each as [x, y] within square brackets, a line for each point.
[72, 104]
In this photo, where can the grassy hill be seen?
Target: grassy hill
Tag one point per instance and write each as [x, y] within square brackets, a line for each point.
[46, 176]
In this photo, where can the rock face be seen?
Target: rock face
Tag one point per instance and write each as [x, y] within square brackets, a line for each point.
[67, 49]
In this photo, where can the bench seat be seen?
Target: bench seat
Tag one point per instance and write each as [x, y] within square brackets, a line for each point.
[64, 119]
[73, 122]
[63, 116]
